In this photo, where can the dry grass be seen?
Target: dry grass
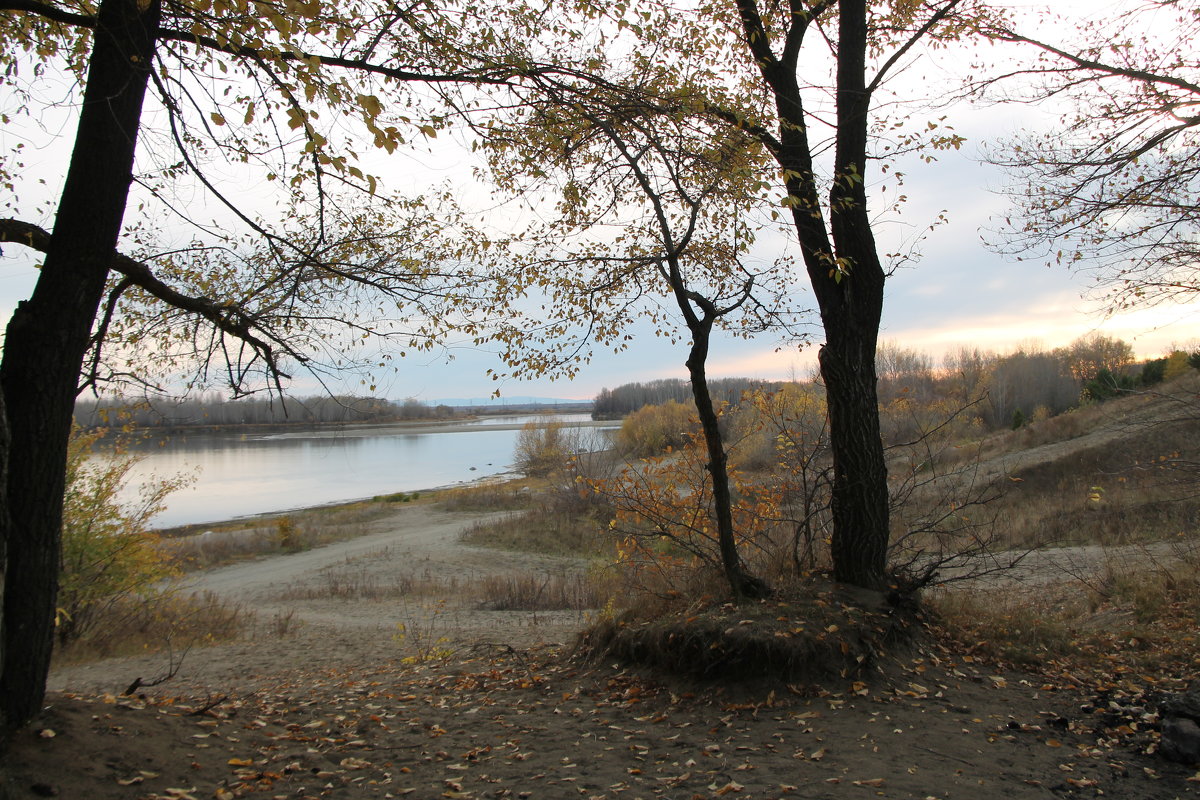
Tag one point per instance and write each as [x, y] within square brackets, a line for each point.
[196, 547]
[490, 496]
[357, 582]
[543, 591]
[170, 621]
[1127, 616]
[542, 530]
[564, 589]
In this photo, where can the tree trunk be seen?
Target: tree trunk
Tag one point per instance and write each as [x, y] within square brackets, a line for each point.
[859, 497]
[847, 280]
[48, 337]
[851, 309]
[5, 530]
[741, 582]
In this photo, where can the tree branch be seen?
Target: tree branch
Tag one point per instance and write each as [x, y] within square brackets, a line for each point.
[228, 319]
[1144, 76]
[48, 12]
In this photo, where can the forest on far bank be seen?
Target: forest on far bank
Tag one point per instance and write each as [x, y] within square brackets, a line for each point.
[212, 409]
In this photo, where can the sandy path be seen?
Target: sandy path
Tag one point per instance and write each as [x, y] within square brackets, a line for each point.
[414, 532]
[345, 603]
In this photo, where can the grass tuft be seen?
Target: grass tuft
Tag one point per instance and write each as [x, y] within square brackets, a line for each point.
[170, 621]
[528, 591]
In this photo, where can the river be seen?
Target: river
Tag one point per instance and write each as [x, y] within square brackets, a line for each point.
[241, 474]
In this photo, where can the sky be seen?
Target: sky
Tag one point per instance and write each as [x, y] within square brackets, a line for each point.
[960, 292]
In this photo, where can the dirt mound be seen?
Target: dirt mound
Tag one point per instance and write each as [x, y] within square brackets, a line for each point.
[807, 636]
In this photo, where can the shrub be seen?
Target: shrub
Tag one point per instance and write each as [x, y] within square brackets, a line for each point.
[109, 554]
[1177, 364]
[287, 536]
[1153, 372]
[542, 448]
[1106, 385]
[652, 430]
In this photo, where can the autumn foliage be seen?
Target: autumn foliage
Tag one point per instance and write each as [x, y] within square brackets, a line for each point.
[110, 554]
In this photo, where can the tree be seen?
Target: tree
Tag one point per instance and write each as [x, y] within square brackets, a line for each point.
[744, 66]
[1177, 364]
[1088, 355]
[681, 193]
[1029, 381]
[830, 215]
[1115, 189]
[215, 69]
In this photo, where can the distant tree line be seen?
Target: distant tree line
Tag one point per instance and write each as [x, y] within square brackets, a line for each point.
[212, 409]
[1029, 383]
[627, 398]
[1010, 389]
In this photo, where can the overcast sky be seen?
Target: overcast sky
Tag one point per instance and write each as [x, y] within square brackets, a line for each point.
[959, 293]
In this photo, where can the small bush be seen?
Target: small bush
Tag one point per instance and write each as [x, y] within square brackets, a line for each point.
[543, 448]
[109, 554]
[653, 430]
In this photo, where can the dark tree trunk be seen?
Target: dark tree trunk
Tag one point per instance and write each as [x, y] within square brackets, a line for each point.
[847, 279]
[48, 337]
[742, 583]
[5, 528]
[851, 310]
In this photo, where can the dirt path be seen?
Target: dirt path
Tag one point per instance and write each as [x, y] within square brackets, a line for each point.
[412, 533]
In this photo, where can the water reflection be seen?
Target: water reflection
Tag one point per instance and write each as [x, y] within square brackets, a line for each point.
[241, 474]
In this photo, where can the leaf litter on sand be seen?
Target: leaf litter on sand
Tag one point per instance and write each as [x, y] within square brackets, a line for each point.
[537, 725]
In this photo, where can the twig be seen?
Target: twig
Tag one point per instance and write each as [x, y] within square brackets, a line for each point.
[173, 666]
[209, 706]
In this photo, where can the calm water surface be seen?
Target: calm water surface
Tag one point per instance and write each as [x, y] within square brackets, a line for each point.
[242, 474]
